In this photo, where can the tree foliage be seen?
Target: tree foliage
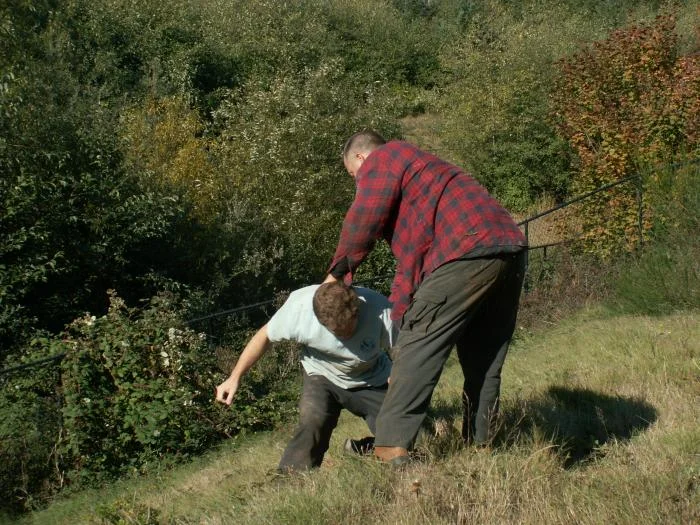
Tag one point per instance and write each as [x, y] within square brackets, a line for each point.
[134, 388]
[151, 147]
[624, 103]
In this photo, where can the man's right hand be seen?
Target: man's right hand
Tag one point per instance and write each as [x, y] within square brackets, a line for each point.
[226, 391]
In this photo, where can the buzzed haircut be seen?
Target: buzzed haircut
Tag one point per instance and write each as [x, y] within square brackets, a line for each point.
[366, 140]
[336, 307]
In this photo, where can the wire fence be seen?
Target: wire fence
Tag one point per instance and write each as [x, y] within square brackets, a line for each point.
[542, 241]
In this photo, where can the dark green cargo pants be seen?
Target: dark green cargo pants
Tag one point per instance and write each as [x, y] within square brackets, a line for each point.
[319, 409]
[471, 304]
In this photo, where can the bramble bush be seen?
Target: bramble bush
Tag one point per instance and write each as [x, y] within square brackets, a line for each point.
[136, 389]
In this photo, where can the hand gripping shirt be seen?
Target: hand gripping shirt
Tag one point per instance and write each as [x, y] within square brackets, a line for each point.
[429, 211]
[359, 361]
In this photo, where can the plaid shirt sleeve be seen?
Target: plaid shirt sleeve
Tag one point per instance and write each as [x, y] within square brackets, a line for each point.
[377, 194]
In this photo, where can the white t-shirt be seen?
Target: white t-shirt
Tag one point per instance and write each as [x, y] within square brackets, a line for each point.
[360, 361]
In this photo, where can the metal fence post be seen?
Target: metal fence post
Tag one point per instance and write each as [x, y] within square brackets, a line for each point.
[640, 210]
[526, 280]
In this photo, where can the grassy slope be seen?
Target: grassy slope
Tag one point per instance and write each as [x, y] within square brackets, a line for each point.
[600, 426]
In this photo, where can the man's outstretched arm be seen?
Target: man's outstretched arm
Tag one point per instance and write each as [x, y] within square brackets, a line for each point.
[251, 354]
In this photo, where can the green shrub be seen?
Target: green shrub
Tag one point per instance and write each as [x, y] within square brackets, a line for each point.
[495, 104]
[622, 103]
[135, 391]
[665, 275]
[279, 154]
[139, 387]
[30, 429]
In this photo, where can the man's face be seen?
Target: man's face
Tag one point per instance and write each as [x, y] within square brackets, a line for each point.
[353, 162]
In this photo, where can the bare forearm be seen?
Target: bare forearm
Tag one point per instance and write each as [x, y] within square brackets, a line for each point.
[251, 354]
[253, 351]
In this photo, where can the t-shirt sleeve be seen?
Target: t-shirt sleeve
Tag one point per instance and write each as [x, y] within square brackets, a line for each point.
[284, 325]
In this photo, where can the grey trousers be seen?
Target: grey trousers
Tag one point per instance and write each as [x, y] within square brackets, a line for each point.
[319, 410]
[471, 304]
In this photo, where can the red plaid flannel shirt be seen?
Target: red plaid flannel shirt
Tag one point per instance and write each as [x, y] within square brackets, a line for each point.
[429, 211]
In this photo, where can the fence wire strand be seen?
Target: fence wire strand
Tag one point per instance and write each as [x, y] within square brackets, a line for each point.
[525, 223]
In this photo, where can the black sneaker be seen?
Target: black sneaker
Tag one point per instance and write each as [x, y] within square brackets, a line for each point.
[361, 447]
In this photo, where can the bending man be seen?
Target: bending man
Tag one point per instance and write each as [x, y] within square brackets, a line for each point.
[460, 266]
[345, 333]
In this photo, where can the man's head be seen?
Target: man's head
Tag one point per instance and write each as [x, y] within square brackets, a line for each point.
[337, 307]
[358, 147]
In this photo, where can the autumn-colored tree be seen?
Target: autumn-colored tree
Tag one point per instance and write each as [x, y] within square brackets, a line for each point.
[165, 139]
[626, 103]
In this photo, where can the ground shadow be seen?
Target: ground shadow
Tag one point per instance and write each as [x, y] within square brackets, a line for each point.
[578, 420]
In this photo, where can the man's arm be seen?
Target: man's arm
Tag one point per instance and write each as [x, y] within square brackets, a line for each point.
[251, 354]
[378, 193]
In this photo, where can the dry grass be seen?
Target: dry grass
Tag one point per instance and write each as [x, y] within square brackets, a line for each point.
[599, 426]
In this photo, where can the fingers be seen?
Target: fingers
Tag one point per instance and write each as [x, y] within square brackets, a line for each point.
[225, 393]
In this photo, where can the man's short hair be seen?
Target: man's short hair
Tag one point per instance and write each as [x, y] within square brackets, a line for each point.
[366, 140]
[337, 307]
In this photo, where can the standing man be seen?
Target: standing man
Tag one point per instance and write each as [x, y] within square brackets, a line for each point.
[460, 267]
[345, 333]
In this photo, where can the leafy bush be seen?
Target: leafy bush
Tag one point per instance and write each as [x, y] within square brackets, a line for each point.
[30, 429]
[622, 103]
[75, 222]
[665, 275]
[495, 103]
[135, 390]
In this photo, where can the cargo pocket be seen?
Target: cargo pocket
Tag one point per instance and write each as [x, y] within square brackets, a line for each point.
[422, 311]
[394, 352]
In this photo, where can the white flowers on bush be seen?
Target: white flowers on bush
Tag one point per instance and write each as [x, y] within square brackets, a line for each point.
[172, 348]
[87, 320]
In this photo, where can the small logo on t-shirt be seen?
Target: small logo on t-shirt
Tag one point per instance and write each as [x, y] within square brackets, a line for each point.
[367, 345]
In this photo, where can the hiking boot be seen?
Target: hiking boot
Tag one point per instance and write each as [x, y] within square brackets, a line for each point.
[361, 447]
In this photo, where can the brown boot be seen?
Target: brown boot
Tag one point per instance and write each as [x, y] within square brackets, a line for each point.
[389, 453]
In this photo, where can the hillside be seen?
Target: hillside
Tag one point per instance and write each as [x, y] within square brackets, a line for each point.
[171, 171]
[600, 426]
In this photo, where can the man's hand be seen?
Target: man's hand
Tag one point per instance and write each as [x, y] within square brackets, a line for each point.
[226, 391]
[251, 354]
